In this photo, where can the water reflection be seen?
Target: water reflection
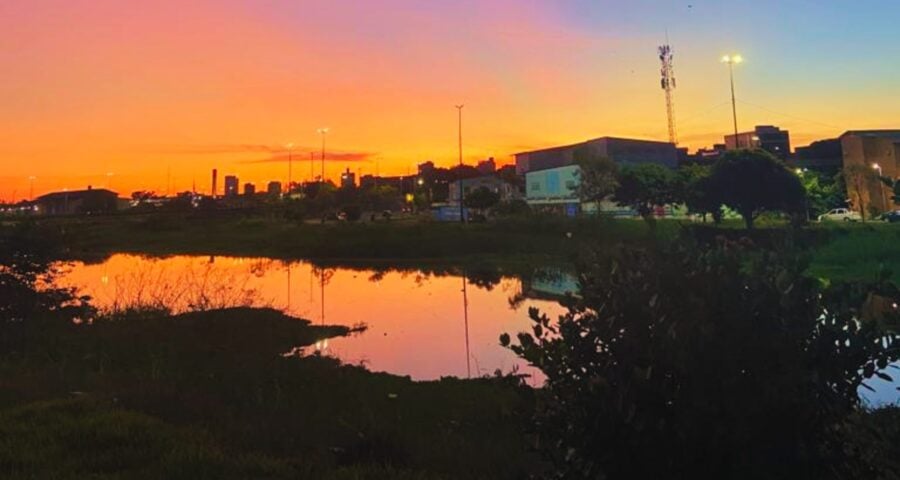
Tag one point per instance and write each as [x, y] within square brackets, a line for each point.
[420, 323]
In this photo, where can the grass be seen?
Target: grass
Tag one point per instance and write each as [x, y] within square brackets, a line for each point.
[274, 237]
[859, 252]
[210, 395]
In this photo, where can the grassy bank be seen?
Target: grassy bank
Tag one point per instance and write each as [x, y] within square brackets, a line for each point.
[275, 237]
[210, 395]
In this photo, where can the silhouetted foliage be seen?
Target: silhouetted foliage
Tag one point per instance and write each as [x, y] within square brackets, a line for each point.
[644, 187]
[482, 198]
[597, 175]
[693, 191]
[752, 182]
[687, 363]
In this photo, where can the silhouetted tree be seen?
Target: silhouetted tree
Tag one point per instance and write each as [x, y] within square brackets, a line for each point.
[753, 181]
[598, 175]
[482, 198]
[644, 187]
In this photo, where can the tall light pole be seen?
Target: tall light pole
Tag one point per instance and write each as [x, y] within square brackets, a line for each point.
[323, 132]
[462, 215]
[31, 180]
[733, 60]
[290, 149]
[884, 198]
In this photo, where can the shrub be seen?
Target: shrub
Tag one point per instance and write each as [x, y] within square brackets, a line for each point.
[681, 362]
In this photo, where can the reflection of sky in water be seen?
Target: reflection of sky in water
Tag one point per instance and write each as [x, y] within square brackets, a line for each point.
[415, 320]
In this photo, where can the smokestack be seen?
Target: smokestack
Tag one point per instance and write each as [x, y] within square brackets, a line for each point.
[215, 180]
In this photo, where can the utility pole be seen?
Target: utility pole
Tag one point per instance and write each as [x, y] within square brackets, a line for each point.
[668, 85]
[732, 60]
[462, 215]
[290, 149]
[323, 132]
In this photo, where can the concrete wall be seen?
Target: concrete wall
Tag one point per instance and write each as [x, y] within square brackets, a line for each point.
[866, 151]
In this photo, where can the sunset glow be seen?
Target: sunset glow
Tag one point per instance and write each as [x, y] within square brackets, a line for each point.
[154, 95]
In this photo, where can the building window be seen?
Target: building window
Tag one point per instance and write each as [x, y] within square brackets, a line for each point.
[535, 186]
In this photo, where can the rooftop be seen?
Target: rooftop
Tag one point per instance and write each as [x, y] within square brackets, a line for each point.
[620, 139]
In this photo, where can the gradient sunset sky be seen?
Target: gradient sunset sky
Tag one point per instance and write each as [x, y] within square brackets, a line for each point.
[169, 89]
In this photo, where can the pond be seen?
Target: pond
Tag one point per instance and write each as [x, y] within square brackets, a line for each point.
[424, 324]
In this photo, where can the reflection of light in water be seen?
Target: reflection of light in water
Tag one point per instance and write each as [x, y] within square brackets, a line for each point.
[322, 345]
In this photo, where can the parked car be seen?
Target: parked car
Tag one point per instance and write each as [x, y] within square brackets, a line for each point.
[840, 214]
[891, 217]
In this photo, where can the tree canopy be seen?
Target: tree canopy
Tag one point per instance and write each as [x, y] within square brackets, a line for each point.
[753, 181]
[645, 186]
[598, 176]
[482, 198]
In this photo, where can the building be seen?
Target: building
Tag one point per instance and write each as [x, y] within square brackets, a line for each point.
[231, 186]
[274, 189]
[426, 170]
[487, 167]
[501, 187]
[825, 156]
[620, 150]
[767, 137]
[554, 189]
[90, 201]
[878, 150]
[348, 179]
[249, 189]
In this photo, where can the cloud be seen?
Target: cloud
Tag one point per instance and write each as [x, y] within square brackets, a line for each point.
[223, 149]
[302, 154]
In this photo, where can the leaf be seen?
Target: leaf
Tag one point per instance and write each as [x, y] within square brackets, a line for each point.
[504, 340]
[884, 376]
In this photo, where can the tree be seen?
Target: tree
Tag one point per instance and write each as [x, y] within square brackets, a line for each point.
[684, 362]
[597, 175]
[822, 192]
[482, 198]
[644, 187]
[693, 189]
[857, 178]
[753, 181]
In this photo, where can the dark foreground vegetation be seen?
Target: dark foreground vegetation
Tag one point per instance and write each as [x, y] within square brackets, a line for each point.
[699, 357]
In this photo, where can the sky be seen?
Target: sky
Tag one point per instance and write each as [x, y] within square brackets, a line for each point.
[153, 95]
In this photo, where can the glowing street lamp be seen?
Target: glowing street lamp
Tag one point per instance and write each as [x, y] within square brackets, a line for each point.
[733, 60]
[884, 198]
[323, 131]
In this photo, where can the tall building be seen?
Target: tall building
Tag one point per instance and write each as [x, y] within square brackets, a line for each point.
[878, 150]
[249, 189]
[487, 167]
[620, 150]
[274, 189]
[231, 186]
[824, 155]
[348, 179]
[767, 137]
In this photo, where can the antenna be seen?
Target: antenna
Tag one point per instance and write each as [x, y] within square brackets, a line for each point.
[667, 83]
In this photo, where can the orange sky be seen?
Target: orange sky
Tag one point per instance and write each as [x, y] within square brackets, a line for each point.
[159, 93]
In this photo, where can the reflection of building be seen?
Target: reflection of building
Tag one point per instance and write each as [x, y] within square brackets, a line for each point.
[620, 150]
[771, 139]
[78, 201]
[348, 179]
[231, 186]
[274, 189]
[823, 155]
[874, 150]
[550, 285]
[249, 189]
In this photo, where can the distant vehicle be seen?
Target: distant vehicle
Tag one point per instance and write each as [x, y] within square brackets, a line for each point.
[840, 214]
[891, 217]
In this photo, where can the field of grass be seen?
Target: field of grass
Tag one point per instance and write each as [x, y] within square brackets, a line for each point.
[274, 237]
[210, 395]
[859, 252]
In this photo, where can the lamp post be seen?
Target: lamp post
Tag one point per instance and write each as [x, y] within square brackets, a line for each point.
[884, 198]
[31, 180]
[733, 60]
[290, 149]
[462, 215]
[323, 131]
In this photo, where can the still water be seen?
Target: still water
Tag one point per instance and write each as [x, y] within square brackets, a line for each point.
[423, 324]
[420, 324]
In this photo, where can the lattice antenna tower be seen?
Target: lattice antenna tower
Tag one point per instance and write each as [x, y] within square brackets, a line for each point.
[668, 84]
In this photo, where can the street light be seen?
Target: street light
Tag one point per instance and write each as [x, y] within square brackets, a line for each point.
[884, 198]
[462, 216]
[733, 60]
[323, 131]
[290, 149]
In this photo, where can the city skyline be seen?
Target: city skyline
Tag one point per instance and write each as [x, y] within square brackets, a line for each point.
[112, 95]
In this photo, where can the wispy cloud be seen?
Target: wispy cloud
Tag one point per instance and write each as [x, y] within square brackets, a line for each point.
[303, 154]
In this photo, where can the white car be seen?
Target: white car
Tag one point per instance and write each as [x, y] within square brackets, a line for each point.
[842, 214]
